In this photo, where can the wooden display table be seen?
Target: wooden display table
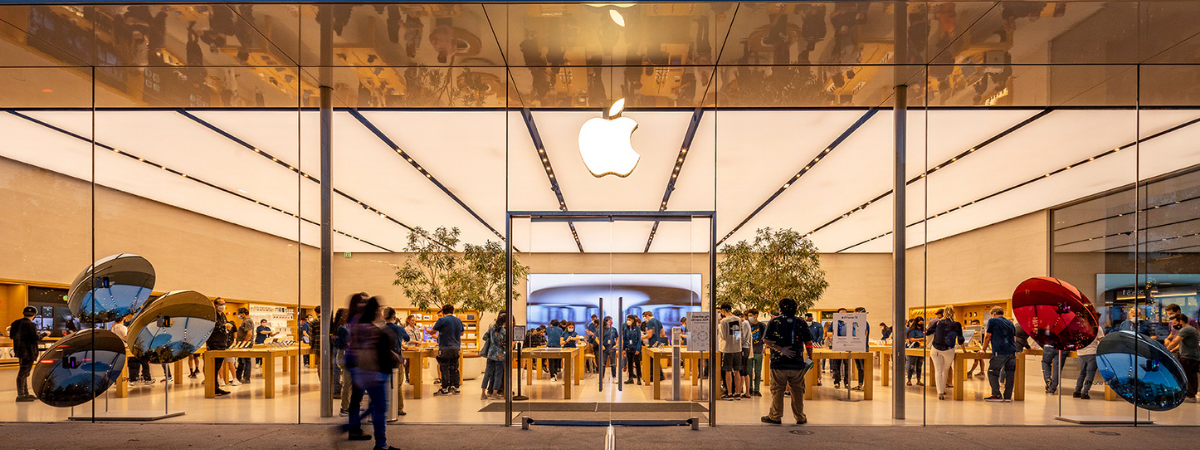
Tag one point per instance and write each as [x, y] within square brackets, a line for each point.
[571, 357]
[416, 364]
[885, 363]
[810, 378]
[960, 373]
[122, 385]
[691, 365]
[268, 355]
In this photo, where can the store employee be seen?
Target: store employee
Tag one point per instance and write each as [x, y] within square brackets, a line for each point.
[263, 332]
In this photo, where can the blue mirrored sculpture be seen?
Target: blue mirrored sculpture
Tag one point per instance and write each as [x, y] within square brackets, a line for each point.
[1141, 371]
[172, 327]
[111, 288]
[78, 368]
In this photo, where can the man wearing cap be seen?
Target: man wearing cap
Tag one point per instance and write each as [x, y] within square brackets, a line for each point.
[25, 337]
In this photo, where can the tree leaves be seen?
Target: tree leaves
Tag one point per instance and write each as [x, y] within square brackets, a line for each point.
[436, 274]
[778, 264]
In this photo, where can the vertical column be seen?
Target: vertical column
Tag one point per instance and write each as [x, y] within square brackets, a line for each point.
[326, 83]
[900, 116]
[508, 326]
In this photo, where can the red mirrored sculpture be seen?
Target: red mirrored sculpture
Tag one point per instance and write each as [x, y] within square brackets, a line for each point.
[1054, 313]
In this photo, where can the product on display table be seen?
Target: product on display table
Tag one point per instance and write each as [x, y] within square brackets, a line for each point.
[111, 288]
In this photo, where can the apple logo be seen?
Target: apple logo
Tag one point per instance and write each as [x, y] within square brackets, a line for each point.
[604, 143]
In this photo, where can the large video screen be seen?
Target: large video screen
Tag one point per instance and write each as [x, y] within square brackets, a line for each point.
[576, 297]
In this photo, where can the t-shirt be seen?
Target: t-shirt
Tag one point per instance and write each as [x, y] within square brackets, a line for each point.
[554, 337]
[730, 333]
[747, 339]
[758, 330]
[788, 332]
[305, 331]
[567, 335]
[245, 330]
[656, 330]
[259, 337]
[815, 329]
[1002, 332]
[1189, 348]
[449, 330]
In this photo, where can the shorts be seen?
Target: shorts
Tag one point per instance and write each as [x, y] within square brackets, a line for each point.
[732, 362]
[745, 369]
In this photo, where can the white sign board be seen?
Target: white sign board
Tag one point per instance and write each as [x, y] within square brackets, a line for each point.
[698, 337]
[850, 332]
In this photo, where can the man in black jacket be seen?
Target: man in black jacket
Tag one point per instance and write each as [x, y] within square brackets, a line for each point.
[220, 338]
[25, 337]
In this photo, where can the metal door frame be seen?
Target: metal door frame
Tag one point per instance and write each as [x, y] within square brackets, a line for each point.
[610, 216]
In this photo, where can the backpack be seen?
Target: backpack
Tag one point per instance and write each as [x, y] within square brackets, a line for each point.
[487, 343]
[951, 339]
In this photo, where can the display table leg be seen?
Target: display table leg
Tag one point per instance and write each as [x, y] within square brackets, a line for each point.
[810, 379]
[655, 364]
[294, 362]
[210, 377]
[269, 377]
[123, 381]
[529, 371]
[1109, 394]
[1019, 382]
[885, 372]
[178, 378]
[869, 384]
[569, 369]
[930, 374]
[414, 376]
[578, 360]
[960, 379]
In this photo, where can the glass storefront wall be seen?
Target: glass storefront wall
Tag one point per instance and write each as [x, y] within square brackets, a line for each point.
[1042, 139]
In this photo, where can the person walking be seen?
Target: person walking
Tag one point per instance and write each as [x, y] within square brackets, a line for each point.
[25, 337]
[915, 338]
[786, 336]
[1087, 367]
[947, 336]
[632, 340]
[220, 338]
[1000, 333]
[339, 338]
[1187, 343]
[495, 343]
[758, 331]
[449, 331]
[608, 341]
[315, 324]
[371, 357]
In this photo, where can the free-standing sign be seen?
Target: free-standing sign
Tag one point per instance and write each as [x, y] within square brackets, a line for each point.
[518, 333]
[698, 337]
[850, 332]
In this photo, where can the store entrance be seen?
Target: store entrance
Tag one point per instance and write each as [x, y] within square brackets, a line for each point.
[600, 305]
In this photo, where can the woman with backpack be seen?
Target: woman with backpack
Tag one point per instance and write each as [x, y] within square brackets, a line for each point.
[913, 339]
[495, 350]
[947, 336]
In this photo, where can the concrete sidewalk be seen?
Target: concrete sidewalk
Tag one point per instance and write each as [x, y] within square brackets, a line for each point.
[129, 436]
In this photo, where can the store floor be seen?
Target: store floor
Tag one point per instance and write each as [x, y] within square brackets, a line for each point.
[300, 403]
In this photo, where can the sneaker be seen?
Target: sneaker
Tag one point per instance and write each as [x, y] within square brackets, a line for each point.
[192, 375]
[1008, 400]
[941, 396]
[235, 383]
[553, 378]
[1084, 396]
[221, 392]
[454, 390]
[358, 435]
[441, 392]
[1076, 394]
[629, 381]
[345, 413]
[386, 448]
[768, 419]
[148, 382]
[756, 394]
[497, 396]
[26, 398]
[1190, 399]
[994, 399]
[728, 398]
[484, 395]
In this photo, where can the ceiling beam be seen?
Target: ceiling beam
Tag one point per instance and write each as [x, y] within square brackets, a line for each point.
[185, 175]
[527, 116]
[688, 137]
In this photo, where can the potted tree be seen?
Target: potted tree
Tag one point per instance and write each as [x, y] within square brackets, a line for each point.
[777, 264]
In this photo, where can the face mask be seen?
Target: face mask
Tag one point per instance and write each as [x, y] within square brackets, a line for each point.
[571, 330]
[628, 323]
[753, 320]
[220, 307]
[1178, 327]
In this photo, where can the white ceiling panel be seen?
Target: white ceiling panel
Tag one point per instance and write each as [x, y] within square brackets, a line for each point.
[695, 187]
[682, 237]
[528, 185]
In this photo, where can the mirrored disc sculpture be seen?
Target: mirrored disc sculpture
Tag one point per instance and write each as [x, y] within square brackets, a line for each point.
[172, 327]
[119, 286]
[1054, 313]
[78, 368]
[1141, 371]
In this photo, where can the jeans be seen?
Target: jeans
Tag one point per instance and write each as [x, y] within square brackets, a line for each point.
[243, 369]
[1050, 373]
[943, 360]
[1087, 373]
[782, 380]
[1006, 362]
[860, 365]
[493, 376]
[633, 363]
[348, 389]
[447, 359]
[841, 370]
[374, 384]
[610, 358]
[756, 363]
[26, 366]
[1190, 366]
[915, 366]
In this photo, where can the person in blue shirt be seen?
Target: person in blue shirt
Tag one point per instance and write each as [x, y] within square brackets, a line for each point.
[449, 331]
[654, 330]
[569, 336]
[999, 334]
[608, 340]
[632, 341]
[593, 336]
[391, 322]
[554, 340]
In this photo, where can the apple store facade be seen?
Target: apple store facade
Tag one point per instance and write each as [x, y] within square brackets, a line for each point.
[546, 166]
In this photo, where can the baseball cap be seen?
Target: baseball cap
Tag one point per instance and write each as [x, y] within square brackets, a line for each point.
[30, 311]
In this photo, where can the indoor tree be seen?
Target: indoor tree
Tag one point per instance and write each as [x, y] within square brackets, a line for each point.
[777, 264]
[430, 276]
[484, 277]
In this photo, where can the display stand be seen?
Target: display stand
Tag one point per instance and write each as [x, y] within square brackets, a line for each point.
[676, 383]
[849, 364]
[519, 397]
[132, 415]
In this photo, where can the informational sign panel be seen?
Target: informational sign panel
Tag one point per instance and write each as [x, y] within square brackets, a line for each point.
[850, 332]
[698, 337]
[518, 333]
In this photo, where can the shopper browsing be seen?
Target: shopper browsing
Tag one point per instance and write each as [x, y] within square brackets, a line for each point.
[495, 349]
[1187, 343]
[220, 338]
[554, 339]
[449, 337]
[747, 342]
[245, 335]
[786, 336]
[25, 337]
[915, 338]
[758, 333]
[1087, 367]
[947, 336]
[398, 344]
[1000, 334]
[730, 334]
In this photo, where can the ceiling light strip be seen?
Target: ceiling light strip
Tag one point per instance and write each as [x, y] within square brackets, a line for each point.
[413, 162]
[688, 137]
[811, 164]
[936, 168]
[1177, 222]
[297, 171]
[1038, 178]
[527, 115]
[1151, 241]
[184, 175]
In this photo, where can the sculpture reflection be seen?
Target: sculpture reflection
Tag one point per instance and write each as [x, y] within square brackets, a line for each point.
[78, 368]
[119, 285]
[1141, 371]
[1054, 313]
[172, 327]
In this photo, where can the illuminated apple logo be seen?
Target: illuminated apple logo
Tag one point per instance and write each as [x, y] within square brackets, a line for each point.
[604, 143]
